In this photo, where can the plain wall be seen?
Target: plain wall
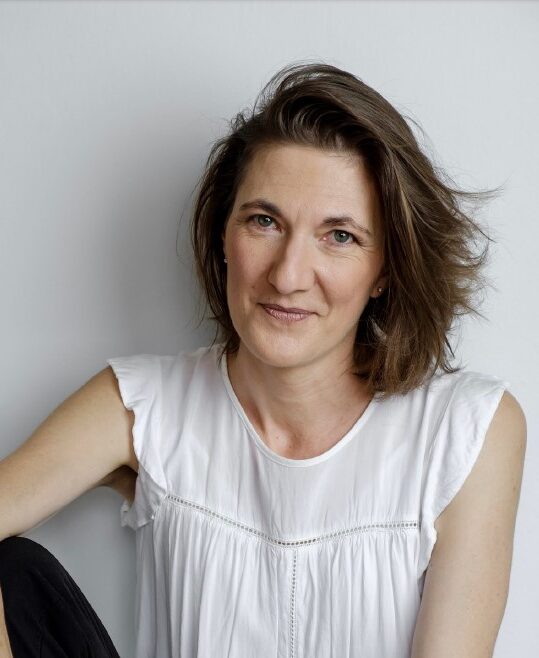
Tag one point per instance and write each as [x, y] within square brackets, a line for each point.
[107, 113]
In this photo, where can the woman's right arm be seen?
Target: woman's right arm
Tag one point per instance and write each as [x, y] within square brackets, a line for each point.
[81, 445]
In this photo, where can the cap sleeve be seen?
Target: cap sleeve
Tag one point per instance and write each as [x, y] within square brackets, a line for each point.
[456, 446]
[139, 381]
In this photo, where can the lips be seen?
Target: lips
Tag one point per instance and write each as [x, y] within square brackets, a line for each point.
[284, 309]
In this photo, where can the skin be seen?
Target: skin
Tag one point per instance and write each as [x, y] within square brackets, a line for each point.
[84, 443]
[467, 582]
[5, 647]
[283, 374]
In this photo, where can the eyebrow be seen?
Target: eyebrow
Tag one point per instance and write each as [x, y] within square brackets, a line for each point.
[337, 220]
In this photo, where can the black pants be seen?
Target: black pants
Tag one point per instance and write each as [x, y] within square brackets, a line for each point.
[47, 615]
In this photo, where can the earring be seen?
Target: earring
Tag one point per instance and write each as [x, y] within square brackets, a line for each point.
[380, 289]
[225, 260]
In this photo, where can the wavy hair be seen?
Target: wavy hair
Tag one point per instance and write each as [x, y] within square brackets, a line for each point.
[431, 254]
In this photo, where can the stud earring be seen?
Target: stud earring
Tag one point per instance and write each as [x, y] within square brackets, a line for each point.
[225, 260]
[380, 289]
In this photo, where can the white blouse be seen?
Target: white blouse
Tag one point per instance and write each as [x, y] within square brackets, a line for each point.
[244, 553]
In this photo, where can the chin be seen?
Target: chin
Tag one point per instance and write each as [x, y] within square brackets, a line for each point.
[278, 350]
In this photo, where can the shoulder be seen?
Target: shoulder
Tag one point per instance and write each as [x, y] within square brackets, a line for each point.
[497, 473]
[451, 383]
[504, 447]
[188, 371]
[467, 398]
[509, 416]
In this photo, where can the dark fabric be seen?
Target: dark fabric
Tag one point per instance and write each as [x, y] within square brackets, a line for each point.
[47, 615]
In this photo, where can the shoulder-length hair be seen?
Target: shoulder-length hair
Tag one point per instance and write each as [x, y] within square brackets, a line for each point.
[433, 269]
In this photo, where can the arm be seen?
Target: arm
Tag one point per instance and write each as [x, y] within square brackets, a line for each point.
[84, 443]
[467, 582]
[122, 480]
[5, 646]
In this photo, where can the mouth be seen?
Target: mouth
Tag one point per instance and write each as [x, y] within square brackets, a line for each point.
[286, 315]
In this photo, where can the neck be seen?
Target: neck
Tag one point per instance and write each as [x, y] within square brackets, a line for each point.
[303, 410]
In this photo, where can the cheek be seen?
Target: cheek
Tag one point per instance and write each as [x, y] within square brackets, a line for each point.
[347, 291]
[246, 265]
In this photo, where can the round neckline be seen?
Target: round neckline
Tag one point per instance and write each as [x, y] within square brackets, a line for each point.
[280, 459]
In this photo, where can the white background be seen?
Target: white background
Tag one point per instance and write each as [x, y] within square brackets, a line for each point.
[107, 113]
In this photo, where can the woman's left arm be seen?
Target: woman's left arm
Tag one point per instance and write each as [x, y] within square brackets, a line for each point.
[467, 582]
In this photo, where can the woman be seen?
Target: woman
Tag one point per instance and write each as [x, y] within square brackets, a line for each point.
[321, 481]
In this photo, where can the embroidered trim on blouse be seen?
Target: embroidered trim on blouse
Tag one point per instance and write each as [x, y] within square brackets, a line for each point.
[293, 605]
[387, 525]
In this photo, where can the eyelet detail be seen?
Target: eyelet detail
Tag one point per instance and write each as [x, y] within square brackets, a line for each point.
[293, 543]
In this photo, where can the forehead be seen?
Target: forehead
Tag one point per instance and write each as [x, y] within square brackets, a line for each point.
[296, 177]
[294, 165]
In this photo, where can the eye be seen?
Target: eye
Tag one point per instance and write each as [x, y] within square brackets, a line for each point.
[346, 234]
[263, 216]
[335, 231]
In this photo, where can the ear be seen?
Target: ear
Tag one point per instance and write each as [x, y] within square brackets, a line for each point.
[381, 282]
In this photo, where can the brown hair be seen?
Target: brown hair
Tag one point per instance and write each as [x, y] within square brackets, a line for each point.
[433, 270]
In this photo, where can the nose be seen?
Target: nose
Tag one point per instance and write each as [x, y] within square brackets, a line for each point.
[292, 266]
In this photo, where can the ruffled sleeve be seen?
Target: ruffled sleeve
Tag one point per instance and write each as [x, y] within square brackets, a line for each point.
[139, 381]
[470, 407]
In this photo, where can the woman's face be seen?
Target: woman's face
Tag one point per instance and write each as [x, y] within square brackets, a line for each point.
[292, 256]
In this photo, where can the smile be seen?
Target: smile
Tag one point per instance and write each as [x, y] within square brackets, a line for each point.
[283, 316]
